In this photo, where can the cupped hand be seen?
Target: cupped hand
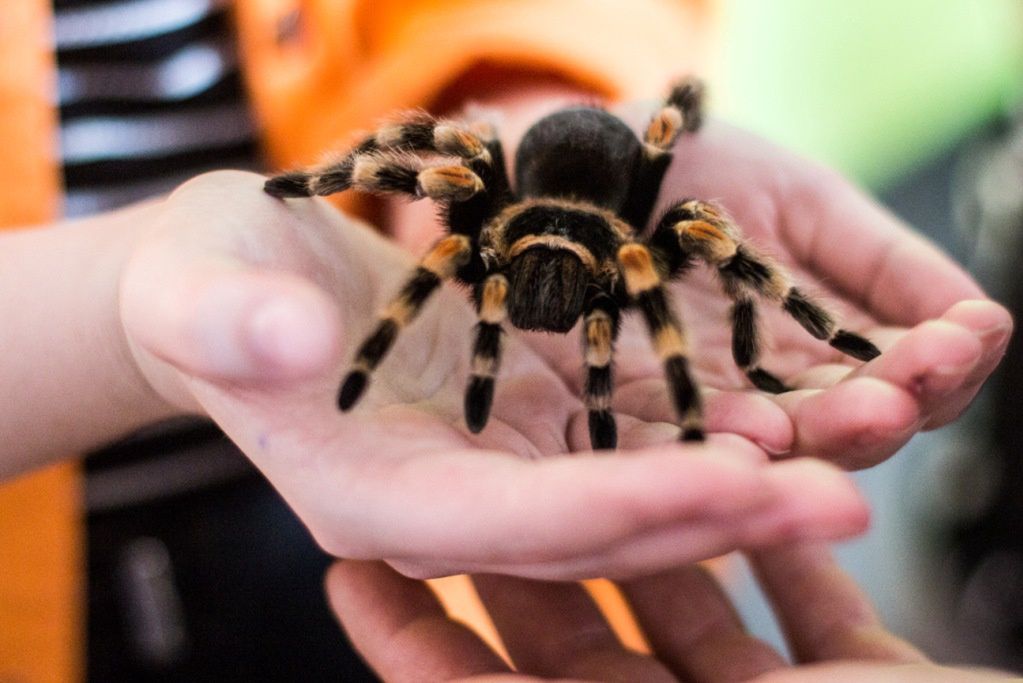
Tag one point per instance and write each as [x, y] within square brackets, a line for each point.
[247, 309]
[940, 337]
[555, 631]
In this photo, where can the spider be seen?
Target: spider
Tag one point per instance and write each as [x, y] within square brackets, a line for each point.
[565, 244]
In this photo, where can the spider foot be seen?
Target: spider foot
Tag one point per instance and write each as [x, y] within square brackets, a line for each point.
[479, 396]
[352, 389]
[854, 345]
[295, 184]
[765, 381]
[603, 430]
[693, 434]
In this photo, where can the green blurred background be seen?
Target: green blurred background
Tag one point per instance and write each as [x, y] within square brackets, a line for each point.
[872, 87]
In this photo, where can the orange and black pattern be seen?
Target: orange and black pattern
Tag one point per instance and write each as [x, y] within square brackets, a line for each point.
[563, 245]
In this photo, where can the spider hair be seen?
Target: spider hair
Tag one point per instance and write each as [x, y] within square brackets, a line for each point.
[565, 245]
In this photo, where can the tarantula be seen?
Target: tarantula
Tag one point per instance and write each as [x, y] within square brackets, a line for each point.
[565, 243]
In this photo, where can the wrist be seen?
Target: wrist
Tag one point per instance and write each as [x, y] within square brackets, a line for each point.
[105, 245]
[65, 350]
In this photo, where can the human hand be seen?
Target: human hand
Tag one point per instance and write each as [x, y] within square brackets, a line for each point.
[244, 308]
[941, 338]
[555, 631]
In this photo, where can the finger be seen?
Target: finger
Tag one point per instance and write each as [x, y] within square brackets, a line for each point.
[811, 500]
[808, 499]
[941, 363]
[855, 424]
[552, 508]
[857, 672]
[746, 413]
[556, 630]
[400, 628]
[859, 248]
[928, 361]
[992, 325]
[944, 362]
[824, 614]
[220, 321]
[692, 627]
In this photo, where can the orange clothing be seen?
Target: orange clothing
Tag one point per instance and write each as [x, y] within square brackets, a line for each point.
[40, 530]
[316, 70]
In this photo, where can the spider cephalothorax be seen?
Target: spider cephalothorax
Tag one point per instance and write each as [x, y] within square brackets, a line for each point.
[565, 245]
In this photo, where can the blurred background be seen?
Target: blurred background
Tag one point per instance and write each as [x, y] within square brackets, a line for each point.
[196, 569]
[919, 102]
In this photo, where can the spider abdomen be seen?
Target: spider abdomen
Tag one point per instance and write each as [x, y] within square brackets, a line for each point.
[580, 153]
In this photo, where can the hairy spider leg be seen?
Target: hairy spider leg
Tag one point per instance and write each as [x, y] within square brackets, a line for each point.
[385, 161]
[389, 172]
[682, 111]
[486, 351]
[441, 263]
[388, 162]
[600, 330]
[647, 291]
[468, 217]
[696, 240]
[704, 231]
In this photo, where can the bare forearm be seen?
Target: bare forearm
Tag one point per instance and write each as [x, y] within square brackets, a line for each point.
[69, 381]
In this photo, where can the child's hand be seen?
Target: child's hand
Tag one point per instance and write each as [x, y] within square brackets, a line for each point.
[246, 308]
[940, 337]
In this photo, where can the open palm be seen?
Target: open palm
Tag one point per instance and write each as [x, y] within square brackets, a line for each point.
[245, 308]
[940, 338]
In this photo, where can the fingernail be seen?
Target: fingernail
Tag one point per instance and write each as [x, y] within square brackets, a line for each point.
[815, 499]
[946, 379]
[995, 336]
[787, 522]
[773, 451]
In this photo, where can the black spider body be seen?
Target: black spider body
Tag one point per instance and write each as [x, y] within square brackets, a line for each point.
[564, 245]
[581, 153]
[549, 281]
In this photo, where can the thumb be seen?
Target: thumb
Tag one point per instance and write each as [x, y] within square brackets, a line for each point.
[228, 322]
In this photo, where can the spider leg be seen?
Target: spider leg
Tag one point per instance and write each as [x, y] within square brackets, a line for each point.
[707, 234]
[467, 217]
[486, 351]
[682, 111]
[645, 287]
[387, 161]
[470, 216]
[600, 329]
[440, 264]
[381, 173]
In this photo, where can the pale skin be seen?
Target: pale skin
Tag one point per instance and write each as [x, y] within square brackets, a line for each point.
[554, 631]
[224, 302]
